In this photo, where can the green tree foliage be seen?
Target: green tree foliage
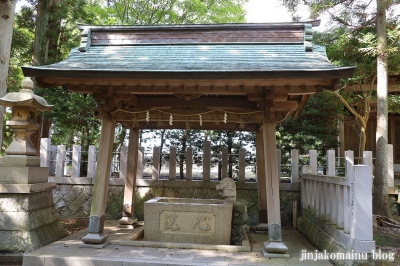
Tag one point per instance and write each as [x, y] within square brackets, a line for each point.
[368, 33]
[73, 122]
[153, 12]
[351, 41]
[315, 128]
[78, 126]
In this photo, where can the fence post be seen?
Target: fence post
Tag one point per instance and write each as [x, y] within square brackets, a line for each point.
[331, 213]
[224, 171]
[172, 163]
[390, 166]
[53, 160]
[340, 214]
[348, 191]
[206, 160]
[123, 162]
[294, 176]
[361, 224]
[76, 161]
[242, 165]
[313, 161]
[367, 158]
[139, 172]
[45, 146]
[305, 187]
[155, 175]
[189, 164]
[61, 151]
[330, 171]
[91, 171]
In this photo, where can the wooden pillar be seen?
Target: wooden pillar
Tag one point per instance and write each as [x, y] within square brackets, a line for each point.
[261, 183]
[99, 199]
[127, 219]
[274, 245]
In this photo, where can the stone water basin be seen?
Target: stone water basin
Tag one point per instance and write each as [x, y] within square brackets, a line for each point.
[183, 220]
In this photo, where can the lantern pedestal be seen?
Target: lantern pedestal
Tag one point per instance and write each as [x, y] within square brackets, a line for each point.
[28, 217]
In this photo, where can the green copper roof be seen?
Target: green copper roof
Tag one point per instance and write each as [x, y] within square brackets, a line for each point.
[218, 58]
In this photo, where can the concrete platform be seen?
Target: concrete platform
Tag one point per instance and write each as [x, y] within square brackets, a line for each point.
[66, 252]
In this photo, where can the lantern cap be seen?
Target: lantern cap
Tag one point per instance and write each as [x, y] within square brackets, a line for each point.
[25, 97]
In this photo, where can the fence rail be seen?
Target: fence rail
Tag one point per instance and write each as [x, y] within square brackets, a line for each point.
[157, 165]
[345, 203]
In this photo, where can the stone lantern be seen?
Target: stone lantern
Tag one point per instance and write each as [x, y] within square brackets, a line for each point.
[25, 105]
[28, 216]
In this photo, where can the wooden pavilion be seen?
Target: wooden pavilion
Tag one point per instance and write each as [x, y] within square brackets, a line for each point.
[223, 77]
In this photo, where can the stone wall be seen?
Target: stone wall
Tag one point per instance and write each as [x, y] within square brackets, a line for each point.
[72, 196]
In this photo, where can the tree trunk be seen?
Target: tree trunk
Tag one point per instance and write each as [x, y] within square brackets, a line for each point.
[46, 128]
[380, 197]
[363, 142]
[7, 11]
[41, 42]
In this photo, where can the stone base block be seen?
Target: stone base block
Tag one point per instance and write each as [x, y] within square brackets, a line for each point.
[95, 238]
[25, 202]
[331, 240]
[126, 221]
[28, 221]
[25, 241]
[97, 246]
[275, 255]
[126, 226]
[326, 237]
[275, 247]
[24, 175]
[19, 160]
[26, 188]
[261, 228]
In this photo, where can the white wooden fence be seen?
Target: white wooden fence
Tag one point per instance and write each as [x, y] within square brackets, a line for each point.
[342, 202]
[57, 158]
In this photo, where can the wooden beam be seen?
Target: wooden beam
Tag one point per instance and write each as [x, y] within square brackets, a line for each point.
[357, 88]
[199, 103]
[303, 102]
[195, 125]
[192, 85]
[190, 115]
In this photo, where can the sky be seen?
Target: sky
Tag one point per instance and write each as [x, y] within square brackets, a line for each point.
[257, 11]
[266, 11]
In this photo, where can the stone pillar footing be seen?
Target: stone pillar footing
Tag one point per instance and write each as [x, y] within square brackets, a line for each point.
[97, 246]
[126, 222]
[261, 228]
[274, 249]
[95, 238]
